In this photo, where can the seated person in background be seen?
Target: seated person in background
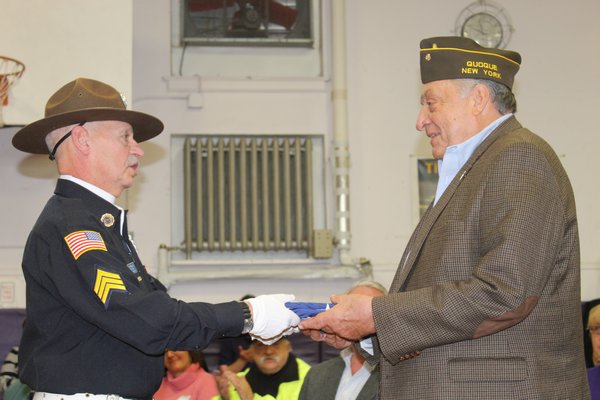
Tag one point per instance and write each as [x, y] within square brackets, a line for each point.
[347, 377]
[235, 352]
[11, 386]
[10, 368]
[185, 378]
[591, 318]
[593, 329]
[275, 373]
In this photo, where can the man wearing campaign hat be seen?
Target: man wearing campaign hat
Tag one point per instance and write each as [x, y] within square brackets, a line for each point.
[485, 303]
[97, 323]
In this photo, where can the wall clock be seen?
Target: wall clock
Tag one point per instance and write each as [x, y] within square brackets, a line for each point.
[486, 23]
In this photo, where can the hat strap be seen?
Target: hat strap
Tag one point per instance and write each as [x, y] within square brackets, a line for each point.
[62, 139]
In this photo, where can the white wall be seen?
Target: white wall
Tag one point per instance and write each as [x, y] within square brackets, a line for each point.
[60, 41]
[556, 89]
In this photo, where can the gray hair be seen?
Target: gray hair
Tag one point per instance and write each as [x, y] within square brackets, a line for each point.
[54, 136]
[502, 97]
[371, 284]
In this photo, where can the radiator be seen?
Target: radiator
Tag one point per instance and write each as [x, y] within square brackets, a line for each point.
[247, 193]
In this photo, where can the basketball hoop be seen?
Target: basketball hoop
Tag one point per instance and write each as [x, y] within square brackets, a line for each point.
[10, 72]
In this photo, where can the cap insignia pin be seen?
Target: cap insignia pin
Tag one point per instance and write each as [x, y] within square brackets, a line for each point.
[123, 99]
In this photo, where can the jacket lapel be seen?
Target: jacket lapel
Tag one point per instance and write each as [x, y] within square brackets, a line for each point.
[432, 214]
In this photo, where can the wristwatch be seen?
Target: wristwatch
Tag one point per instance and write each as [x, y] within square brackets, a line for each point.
[248, 321]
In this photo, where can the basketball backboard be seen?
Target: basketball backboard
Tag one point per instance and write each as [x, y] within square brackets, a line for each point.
[61, 40]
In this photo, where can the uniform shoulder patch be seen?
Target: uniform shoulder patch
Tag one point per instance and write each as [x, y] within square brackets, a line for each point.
[106, 284]
[81, 242]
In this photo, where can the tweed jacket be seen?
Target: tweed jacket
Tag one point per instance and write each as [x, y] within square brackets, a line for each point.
[488, 288]
[322, 381]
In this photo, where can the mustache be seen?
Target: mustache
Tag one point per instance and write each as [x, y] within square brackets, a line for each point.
[275, 358]
[132, 160]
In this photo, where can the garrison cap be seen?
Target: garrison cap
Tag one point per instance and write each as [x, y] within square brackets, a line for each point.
[455, 57]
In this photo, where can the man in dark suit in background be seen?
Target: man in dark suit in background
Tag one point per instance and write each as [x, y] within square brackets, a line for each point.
[485, 303]
[347, 376]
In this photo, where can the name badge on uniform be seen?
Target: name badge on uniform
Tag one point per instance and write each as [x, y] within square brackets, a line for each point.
[132, 267]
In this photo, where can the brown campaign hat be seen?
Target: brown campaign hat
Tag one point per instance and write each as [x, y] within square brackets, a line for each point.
[455, 57]
[84, 100]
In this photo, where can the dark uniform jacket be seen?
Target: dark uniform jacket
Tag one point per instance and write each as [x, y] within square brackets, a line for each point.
[97, 322]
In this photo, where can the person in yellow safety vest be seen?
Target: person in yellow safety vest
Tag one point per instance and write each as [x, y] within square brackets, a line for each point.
[275, 373]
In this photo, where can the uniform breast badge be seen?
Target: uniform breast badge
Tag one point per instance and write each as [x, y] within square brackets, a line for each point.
[107, 219]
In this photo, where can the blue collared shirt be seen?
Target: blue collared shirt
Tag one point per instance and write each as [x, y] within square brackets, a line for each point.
[457, 155]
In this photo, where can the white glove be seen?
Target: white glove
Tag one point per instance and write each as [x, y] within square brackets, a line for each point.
[274, 339]
[272, 319]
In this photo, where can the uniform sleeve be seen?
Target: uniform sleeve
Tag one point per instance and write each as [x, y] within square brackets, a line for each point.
[93, 273]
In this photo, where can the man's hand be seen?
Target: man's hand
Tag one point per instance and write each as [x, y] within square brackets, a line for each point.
[272, 319]
[351, 319]
[222, 382]
[329, 338]
[246, 354]
[225, 377]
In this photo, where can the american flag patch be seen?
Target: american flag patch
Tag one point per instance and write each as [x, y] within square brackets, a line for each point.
[81, 242]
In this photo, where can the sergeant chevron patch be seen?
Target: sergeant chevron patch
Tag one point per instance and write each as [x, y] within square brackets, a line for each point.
[106, 284]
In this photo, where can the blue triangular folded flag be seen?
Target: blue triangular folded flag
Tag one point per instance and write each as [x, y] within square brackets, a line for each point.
[307, 310]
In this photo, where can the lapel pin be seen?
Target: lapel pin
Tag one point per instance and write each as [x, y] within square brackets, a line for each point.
[108, 220]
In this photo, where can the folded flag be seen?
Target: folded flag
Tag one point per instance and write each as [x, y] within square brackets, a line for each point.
[307, 310]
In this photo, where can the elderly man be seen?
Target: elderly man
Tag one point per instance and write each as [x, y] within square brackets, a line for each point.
[97, 323]
[485, 303]
[275, 373]
[348, 376]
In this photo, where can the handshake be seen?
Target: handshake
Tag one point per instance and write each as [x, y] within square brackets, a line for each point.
[277, 315]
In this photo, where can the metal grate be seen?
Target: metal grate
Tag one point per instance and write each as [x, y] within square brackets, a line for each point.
[248, 193]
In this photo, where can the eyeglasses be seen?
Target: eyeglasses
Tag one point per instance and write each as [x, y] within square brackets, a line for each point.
[594, 329]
